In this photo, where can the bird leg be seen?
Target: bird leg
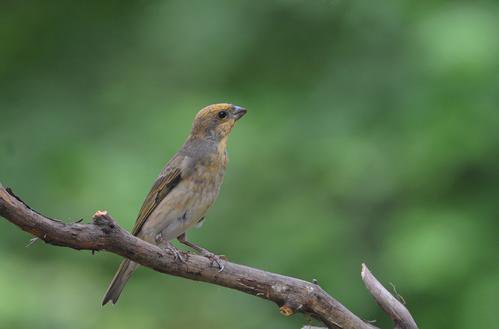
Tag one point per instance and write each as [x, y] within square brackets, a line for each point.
[215, 259]
[177, 253]
[167, 245]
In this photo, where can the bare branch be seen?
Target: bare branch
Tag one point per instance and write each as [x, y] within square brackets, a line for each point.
[290, 294]
[392, 306]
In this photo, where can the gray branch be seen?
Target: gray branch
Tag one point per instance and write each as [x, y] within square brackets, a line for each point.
[290, 294]
[395, 309]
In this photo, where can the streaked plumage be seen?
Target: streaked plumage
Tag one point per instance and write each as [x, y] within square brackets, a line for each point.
[185, 189]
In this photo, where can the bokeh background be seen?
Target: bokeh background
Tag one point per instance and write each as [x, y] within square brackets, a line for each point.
[372, 136]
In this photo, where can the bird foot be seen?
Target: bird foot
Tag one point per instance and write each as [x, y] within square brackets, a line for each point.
[215, 259]
[177, 254]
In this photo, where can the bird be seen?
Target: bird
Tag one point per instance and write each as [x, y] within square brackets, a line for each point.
[185, 189]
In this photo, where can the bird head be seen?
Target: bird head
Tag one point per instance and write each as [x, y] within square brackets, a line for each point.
[216, 121]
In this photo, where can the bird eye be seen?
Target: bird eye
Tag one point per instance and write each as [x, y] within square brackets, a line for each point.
[222, 114]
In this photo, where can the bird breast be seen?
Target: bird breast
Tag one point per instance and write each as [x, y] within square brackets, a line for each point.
[186, 204]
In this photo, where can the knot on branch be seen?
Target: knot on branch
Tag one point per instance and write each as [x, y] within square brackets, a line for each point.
[291, 307]
[286, 310]
[102, 219]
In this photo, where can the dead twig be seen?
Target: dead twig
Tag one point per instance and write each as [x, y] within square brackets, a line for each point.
[391, 305]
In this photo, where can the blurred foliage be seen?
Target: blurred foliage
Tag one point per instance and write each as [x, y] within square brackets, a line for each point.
[372, 137]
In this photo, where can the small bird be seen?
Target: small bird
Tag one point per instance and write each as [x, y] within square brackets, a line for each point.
[185, 189]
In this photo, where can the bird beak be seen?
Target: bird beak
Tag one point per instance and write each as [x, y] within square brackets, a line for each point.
[239, 112]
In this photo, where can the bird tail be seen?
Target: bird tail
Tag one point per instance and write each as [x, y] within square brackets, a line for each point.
[125, 271]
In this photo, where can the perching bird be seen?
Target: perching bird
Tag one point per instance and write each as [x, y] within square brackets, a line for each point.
[184, 190]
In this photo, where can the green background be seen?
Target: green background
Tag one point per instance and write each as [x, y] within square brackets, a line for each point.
[372, 136]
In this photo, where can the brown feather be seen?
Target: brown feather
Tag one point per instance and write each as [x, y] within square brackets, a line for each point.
[163, 185]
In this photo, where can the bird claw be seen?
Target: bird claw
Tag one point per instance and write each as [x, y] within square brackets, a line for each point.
[177, 254]
[215, 259]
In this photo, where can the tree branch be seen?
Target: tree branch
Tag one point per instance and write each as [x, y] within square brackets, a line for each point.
[397, 312]
[290, 294]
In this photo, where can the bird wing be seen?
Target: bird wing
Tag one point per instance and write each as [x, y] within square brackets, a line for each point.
[163, 185]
